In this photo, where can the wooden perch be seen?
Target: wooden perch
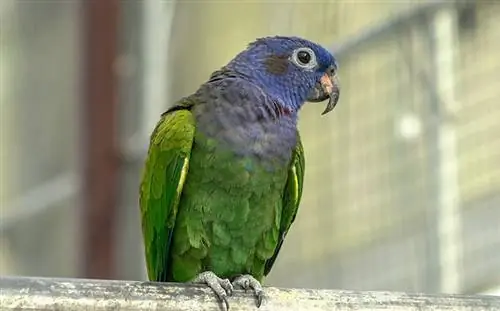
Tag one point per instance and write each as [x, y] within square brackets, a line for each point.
[83, 294]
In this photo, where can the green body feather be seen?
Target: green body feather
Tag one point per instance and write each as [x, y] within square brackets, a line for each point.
[203, 210]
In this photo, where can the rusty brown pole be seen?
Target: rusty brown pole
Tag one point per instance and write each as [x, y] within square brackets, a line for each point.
[101, 149]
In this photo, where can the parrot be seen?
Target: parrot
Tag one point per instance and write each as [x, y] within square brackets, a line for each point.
[224, 171]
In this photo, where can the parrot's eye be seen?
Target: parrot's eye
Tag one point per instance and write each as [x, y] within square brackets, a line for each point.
[304, 58]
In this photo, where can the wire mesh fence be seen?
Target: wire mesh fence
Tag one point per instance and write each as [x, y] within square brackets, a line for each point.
[40, 144]
[402, 188]
[402, 184]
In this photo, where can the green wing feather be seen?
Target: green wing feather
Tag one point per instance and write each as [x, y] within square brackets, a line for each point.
[291, 198]
[163, 178]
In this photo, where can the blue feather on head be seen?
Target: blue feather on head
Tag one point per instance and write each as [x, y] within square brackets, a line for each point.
[290, 69]
[250, 106]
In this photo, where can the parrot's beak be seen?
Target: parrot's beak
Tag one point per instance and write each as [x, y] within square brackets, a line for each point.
[327, 88]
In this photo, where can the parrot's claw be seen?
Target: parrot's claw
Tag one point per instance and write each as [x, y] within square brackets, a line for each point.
[247, 282]
[221, 287]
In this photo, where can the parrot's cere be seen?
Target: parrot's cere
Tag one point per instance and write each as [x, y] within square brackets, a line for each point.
[224, 173]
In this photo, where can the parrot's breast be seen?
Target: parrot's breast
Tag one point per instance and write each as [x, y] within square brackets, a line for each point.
[229, 215]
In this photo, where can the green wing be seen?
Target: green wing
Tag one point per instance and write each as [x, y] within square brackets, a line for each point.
[163, 178]
[291, 199]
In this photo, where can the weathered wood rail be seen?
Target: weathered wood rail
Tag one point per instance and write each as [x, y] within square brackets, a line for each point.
[26, 293]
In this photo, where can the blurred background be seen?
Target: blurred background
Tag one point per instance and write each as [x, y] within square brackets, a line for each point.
[402, 188]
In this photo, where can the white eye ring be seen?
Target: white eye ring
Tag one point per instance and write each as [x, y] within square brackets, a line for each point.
[298, 58]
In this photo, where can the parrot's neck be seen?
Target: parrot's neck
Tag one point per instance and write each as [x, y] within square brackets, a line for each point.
[278, 86]
[255, 127]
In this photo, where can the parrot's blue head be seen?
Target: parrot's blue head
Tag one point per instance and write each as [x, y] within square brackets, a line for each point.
[290, 69]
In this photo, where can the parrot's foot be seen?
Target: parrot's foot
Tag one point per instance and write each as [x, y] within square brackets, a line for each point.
[221, 287]
[247, 282]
